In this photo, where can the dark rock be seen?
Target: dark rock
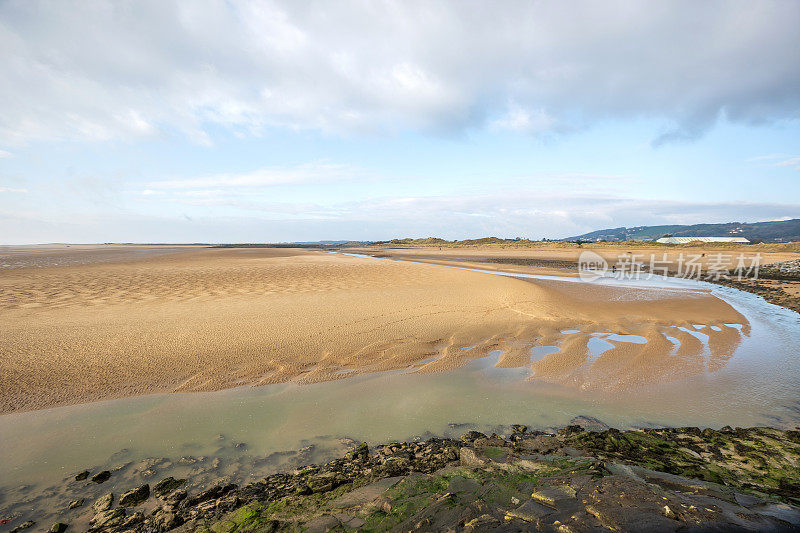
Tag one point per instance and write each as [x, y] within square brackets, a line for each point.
[132, 520]
[470, 436]
[167, 518]
[101, 477]
[167, 485]
[76, 503]
[397, 465]
[136, 496]
[175, 497]
[518, 428]
[108, 519]
[58, 527]
[83, 475]
[213, 493]
[588, 423]
[359, 453]
[23, 526]
[530, 511]
[494, 440]
[324, 482]
[103, 503]
[570, 430]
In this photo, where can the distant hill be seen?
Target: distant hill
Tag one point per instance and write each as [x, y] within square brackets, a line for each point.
[779, 231]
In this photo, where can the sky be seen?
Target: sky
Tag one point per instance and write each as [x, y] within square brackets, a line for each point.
[228, 121]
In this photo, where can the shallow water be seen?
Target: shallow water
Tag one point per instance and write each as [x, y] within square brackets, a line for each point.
[758, 386]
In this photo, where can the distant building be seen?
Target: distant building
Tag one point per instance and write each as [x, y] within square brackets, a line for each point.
[684, 240]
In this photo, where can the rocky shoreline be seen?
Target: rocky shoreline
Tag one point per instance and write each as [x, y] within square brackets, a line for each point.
[574, 479]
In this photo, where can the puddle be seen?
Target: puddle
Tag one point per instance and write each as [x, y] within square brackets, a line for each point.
[540, 352]
[596, 346]
[637, 339]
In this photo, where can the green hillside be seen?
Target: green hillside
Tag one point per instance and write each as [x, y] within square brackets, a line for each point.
[777, 231]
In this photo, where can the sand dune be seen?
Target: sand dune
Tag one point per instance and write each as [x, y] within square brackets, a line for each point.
[195, 319]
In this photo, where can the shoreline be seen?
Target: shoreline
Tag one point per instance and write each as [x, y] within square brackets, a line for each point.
[521, 479]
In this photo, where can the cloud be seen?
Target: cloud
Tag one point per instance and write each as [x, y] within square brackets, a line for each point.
[792, 162]
[4, 154]
[310, 173]
[11, 189]
[502, 213]
[522, 120]
[777, 160]
[104, 70]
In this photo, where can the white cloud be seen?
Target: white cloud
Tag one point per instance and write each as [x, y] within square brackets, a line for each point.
[311, 173]
[522, 120]
[508, 213]
[12, 189]
[777, 160]
[104, 70]
[793, 162]
[4, 154]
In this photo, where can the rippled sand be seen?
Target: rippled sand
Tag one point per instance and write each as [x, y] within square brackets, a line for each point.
[193, 319]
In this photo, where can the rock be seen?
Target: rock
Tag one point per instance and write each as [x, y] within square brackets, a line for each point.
[108, 519]
[519, 428]
[213, 493]
[103, 503]
[359, 453]
[553, 495]
[589, 423]
[365, 494]
[470, 436]
[570, 430]
[134, 497]
[167, 485]
[167, 518]
[83, 475]
[494, 441]
[76, 503]
[530, 511]
[101, 477]
[175, 497]
[324, 482]
[485, 522]
[133, 519]
[669, 513]
[747, 500]
[58, 527]
[396, 466]
[23, 526]
[469, 458]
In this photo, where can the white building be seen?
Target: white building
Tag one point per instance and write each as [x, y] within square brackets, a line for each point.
[684, 240]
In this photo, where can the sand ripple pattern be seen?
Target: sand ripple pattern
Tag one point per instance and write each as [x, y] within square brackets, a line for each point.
[207, 319]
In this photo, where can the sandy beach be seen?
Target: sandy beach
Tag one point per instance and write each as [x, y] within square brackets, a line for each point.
[195, 319]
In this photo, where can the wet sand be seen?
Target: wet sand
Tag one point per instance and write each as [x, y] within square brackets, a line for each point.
[560, 259]
[201, 319]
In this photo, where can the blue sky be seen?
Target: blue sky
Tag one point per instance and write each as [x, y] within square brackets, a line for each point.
[276, 121]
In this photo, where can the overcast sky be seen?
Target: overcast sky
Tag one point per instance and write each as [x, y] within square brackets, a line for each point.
[229, 121]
